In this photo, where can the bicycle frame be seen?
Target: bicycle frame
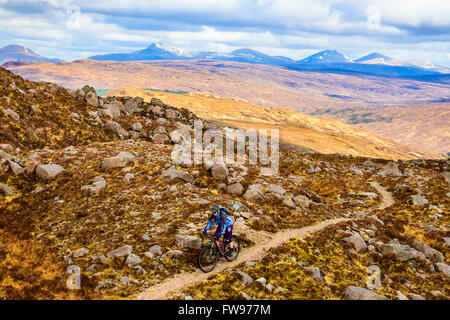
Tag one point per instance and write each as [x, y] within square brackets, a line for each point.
[219, 244]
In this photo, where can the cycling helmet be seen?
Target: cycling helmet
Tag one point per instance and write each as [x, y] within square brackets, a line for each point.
[215, 208]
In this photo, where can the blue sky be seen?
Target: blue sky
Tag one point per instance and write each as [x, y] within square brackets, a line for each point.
[70, 29]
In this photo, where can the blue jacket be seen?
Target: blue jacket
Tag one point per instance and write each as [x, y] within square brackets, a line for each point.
[222, 219]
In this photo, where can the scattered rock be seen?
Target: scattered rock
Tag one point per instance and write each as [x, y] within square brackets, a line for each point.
[80, 252]
[401, 252]
[173, 176]
[133, 260]
[419, 200]
[7, 190]
[11, 113]
[119, 161]
[356, 293]
[401, 296]
[444, 269]
[302, 201]
[416, 296]
[243, 296]
[235, 189]
[120, 252]
[98, 184]
[245, 278]
[48, 171]
[429, 252]
[314, 273]
[220, 171]
[357, 242]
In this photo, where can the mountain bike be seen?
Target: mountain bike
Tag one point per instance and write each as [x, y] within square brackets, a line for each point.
[216, 248]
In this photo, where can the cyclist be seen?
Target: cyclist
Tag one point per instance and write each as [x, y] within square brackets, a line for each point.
[225, 222]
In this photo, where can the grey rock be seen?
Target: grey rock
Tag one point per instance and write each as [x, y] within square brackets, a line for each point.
[261, 282]
[245, 278]
[302, 201]
[7, 190]
[419, 200]
[415, 296]
[155, 250]
[11, 113]
[429, 252]
[401, 296]
[357, 242]
[235, 189]
[80, 252]
[401, 252]
[48, 171]
[356, 293]
[120, 252]
[444, 269]
[220, 171]
[243, 296]
[119, 161]
[98, 184]
[133, 260]
[117, 129]
[314, 273]
[173, 176]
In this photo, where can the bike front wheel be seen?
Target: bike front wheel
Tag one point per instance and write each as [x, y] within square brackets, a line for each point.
[207, 258]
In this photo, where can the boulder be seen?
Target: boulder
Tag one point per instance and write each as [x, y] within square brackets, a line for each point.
[157, 102]
[6, 190]
[133, 260]
[391, 169]
[302, 201]
[173, 176]
[444, 269]
[429, 252]
[254, 193]
[98, 183]
[128, 177]
[419, 200]
[161, 138]
[401, 252]
[11, 113]
[220, 171]
[356, 293]
[117, 129]
[120, 252]
[273, 188]
[91, 98]
[48, 171]
[357, 242]
[314, 273]
[235, 189]
[137, 126]
[15, 168]
[134, 105]
[119, 161]
[112, 110]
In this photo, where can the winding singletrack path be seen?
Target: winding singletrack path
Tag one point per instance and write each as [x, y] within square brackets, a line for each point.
[177, 283]
[387, 199]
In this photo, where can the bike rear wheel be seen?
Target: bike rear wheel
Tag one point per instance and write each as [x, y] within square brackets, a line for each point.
[232, 255]
[207, 258]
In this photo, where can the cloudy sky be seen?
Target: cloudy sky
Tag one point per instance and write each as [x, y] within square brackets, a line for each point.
[71, 29]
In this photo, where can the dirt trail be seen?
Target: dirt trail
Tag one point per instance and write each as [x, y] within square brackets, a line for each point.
[178, 282]
[387, 199]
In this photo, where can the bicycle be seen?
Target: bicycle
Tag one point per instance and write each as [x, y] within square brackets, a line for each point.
[209, 254]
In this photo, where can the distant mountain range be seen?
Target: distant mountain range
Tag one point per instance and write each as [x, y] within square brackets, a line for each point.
[326, 61]
[19, 53]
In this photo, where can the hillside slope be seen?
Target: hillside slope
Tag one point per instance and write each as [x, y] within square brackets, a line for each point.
[96, 197]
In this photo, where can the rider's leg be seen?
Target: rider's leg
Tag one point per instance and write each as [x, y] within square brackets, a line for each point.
[228, 237]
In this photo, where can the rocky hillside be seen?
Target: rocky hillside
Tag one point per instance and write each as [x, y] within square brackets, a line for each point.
[298, 130]
[88, 189]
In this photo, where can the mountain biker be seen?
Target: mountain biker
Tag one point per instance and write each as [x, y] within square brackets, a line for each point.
[221, 216]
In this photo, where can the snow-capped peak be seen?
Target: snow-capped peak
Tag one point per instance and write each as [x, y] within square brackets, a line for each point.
[177, 51]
